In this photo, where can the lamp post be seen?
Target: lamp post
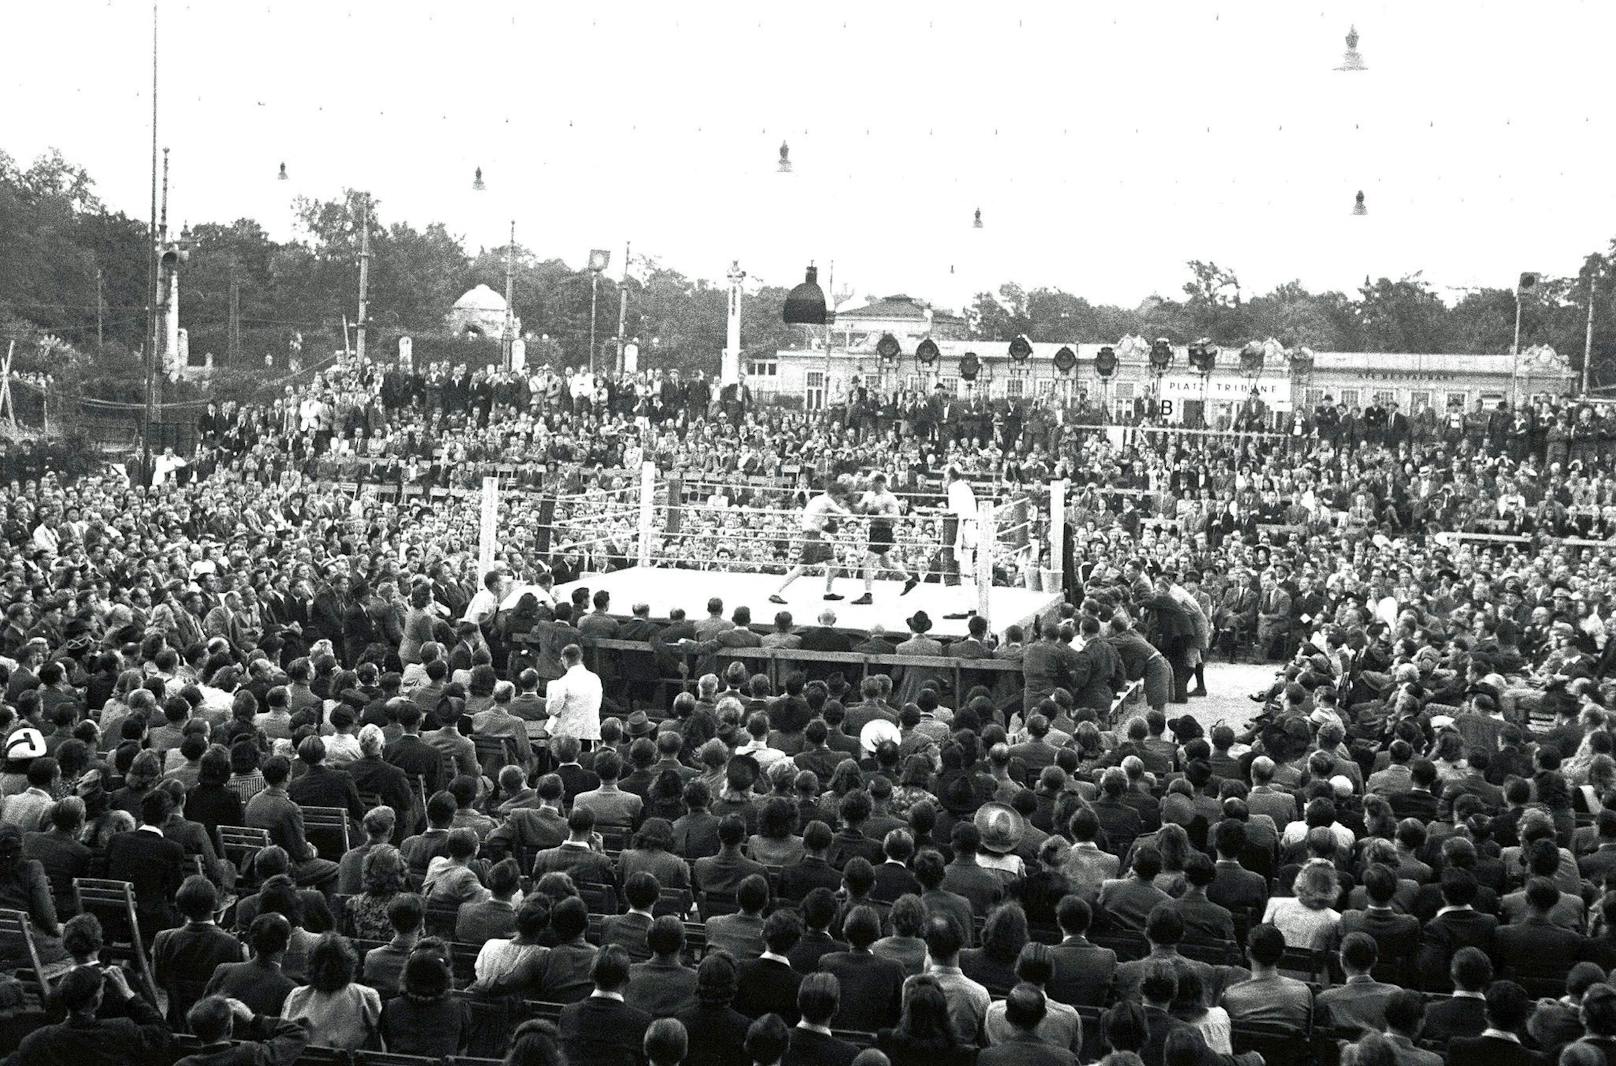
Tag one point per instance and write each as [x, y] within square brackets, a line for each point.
[599, 260]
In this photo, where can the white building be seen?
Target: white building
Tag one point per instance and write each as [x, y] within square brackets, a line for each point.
[1355, 378]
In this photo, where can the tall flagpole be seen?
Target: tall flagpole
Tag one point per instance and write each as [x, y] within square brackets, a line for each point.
[151, 275]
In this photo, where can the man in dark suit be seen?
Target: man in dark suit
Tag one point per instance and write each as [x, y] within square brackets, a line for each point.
[134, 1033]
[964, 877]
[602, 1030]
[871, 985]
[936, 899]
[1118, 821]
[409, 752]
[1395, 934]
[1535, 945]
[823, 637]
[813, 870]
[184, 959]
[1458, 925]
[1463, 1014]
[1499, 1044]
[818, 1000]
[818, 909]
[725, 871]
[768, 984]
[1083, 972]
[892, 877]
[576, 855]
[151, 862]
[1203, 919]
[320, 785]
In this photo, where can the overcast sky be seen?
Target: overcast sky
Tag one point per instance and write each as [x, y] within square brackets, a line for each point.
[1104, 143]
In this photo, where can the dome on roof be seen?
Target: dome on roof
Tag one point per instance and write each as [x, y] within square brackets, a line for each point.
[482, 298]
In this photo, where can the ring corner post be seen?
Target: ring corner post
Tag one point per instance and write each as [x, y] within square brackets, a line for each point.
[1057, 537]
[986, 542]
[648, 471]
[485, 532]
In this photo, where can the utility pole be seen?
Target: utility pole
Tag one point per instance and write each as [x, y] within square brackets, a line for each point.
[151, 275]
[100, 305]
[594, 296]
[1588, 336]
[364, 274]
[622, 305]
[508, 336]
[830, 335]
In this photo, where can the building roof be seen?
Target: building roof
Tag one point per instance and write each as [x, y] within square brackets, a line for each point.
[482, 298]
[898, 306]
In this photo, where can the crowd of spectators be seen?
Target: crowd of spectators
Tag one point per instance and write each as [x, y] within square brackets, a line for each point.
[1404, 853]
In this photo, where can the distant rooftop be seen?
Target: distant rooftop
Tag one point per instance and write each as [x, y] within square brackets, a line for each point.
[898, 306]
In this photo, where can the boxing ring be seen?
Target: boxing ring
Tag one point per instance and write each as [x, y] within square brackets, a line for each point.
[668, 544]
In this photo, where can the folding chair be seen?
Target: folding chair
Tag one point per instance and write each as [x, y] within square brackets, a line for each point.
[113, 904]
[441, 918]
[17, 932]
[674, 901]
[538, 1008]
[1279, 1045]
[240, 845]
[389, 1058]
[314, 1055]
[327, 829]
[614, 838]
[494, 753]
[601, 899]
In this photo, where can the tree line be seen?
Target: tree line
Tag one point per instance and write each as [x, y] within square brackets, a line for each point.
[76, 269]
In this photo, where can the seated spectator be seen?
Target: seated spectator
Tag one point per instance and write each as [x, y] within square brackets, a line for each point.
[715, 1028]
[602, 1029]
[384, 966]
[628, 931]
[1268, 997]
[495, 916]
[229, 1030]
[340, 1013]
[1359, 1004]
[425, 1020]
[767, 984]
[927, 1033]
[382, 881]
[258, 982]
[811, 1042]
[137, 1033]
[1507, 1007]
[741, 933]
[1060, 1027]
[183, 959]
[378, 824]
[663, 986]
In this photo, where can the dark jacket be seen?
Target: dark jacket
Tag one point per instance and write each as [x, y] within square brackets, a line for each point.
[1083, 973]
[766, 986]
[265, 1041]
[1491, 1051]
[599, 1031]
[141, 1037]
[809, 1048]
[871, 987]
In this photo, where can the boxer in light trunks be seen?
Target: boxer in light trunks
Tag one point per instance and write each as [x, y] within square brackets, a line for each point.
[882, 506]
[815, 549]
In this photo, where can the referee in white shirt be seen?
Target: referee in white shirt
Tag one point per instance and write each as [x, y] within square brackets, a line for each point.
[573, 699]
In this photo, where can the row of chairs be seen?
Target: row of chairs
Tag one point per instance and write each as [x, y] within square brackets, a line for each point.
[329, 1056]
